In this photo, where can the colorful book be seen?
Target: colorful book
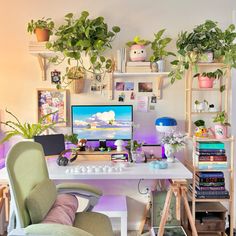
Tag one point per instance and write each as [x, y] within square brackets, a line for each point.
[212, 165]
[210, 184]
[209, 179]
[216, 152]
[217, 174]
[211, 158]
[210, 145]
[212, 196]
[210, 188]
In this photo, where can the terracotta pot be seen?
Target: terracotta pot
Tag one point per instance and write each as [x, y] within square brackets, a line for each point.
[137, 53]
[78, 85]
[205, 82]
[42, 34]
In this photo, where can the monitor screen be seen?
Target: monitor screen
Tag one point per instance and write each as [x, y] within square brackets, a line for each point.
[102, 122]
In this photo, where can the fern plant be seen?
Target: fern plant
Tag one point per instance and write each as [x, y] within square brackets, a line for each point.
[26, 130]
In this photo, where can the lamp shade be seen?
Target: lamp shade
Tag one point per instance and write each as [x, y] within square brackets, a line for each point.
[165, 124]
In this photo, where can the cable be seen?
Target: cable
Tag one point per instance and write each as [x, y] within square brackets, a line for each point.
[143, 193]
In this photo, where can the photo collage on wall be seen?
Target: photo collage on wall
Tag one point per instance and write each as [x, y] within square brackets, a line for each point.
[127, 91]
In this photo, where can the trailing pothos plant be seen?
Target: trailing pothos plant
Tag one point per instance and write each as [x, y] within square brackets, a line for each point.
[81, 36]
[203, 38]
[26, 130]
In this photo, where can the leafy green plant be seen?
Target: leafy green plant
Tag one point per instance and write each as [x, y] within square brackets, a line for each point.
[203, 38]
[133, 145]
[139, 41]
[217, 74]
[73, 138]
[222, 118]
[199, 123]
[26, 130]
[158, 45]
[41, 24]
[79, 36]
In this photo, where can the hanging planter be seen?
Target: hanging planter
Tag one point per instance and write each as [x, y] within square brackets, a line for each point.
[76, 78]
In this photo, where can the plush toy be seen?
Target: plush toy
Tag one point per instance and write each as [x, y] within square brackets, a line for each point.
[82, 144]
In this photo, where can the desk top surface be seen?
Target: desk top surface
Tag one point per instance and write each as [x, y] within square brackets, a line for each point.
[175, 170]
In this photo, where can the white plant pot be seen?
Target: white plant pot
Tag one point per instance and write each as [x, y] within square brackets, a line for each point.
[169, 152]
[161, 65]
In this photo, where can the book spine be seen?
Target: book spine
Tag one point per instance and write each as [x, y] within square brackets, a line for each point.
[202, 184]
[210, 146]
[216, 174]
[211, 196]
[210, 180]
[212, 158]
[220, 188]
[210, 192]
[222, 151]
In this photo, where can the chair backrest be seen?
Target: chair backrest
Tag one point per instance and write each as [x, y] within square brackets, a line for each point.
[26, 167]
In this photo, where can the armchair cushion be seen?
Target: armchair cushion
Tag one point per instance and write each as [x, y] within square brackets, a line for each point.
[63, 210]
[40, 200]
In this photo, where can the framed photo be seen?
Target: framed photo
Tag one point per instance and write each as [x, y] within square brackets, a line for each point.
[51, 100]
[145, 87]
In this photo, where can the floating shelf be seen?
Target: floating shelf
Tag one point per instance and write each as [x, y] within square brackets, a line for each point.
[39, 50]
[159, 80]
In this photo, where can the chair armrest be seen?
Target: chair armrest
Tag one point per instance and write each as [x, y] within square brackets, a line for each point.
[54, 230]
[83, 190]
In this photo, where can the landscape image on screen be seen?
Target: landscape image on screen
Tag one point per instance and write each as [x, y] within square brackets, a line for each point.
[102, 122]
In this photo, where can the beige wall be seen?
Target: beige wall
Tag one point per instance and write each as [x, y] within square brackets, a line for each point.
[20, 74]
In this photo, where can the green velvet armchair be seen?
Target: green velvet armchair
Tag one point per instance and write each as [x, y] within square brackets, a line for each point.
[33, 194]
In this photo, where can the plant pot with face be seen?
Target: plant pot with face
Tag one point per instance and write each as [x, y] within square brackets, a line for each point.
[137, 49]
[220, 129]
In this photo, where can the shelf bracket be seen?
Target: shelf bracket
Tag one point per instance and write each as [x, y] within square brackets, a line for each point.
[43, 66]
[159, 86]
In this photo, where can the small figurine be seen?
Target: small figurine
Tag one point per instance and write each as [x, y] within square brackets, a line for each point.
[82, 144]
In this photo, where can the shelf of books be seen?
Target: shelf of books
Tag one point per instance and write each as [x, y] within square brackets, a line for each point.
[211, 160]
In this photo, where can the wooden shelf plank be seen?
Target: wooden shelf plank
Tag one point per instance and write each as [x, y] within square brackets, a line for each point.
[141, 74]
[216, 64]
[204, 113]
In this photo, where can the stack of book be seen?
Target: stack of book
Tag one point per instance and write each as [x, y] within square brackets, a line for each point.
[210, 185]
[210, 155]
[138, 66]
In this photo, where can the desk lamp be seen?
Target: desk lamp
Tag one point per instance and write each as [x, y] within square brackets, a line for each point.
[165, 124]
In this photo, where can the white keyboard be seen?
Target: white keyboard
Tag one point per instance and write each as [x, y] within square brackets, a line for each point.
[80, 169]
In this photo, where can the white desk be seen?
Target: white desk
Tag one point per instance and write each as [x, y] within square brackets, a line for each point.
[134, 171]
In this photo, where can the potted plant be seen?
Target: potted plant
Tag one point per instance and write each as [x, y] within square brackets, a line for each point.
[72, 139]
[206, 79]
[173, 142]
[200, 106]
[80, 37]
[193, 47]
[200, 130]
[137, 49]
[221, 127]
[158, 46]
[43, 28]
[133, 146]
[26, 130]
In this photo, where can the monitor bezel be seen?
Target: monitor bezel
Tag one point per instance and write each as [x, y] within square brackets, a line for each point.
[132, 119]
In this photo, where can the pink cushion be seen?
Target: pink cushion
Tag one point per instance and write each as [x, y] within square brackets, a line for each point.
[63, 210]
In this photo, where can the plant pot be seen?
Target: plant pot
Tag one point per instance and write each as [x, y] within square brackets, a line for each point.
[78, 85]
[169, 152]
[205, 82]
[206, 57]
[42, 35]
[137, 53]
[220, 131]
[158, 66]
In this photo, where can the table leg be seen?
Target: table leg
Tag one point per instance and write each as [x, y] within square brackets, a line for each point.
[165, 212]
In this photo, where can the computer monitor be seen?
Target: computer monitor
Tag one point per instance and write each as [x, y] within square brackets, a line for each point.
[102, 122]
